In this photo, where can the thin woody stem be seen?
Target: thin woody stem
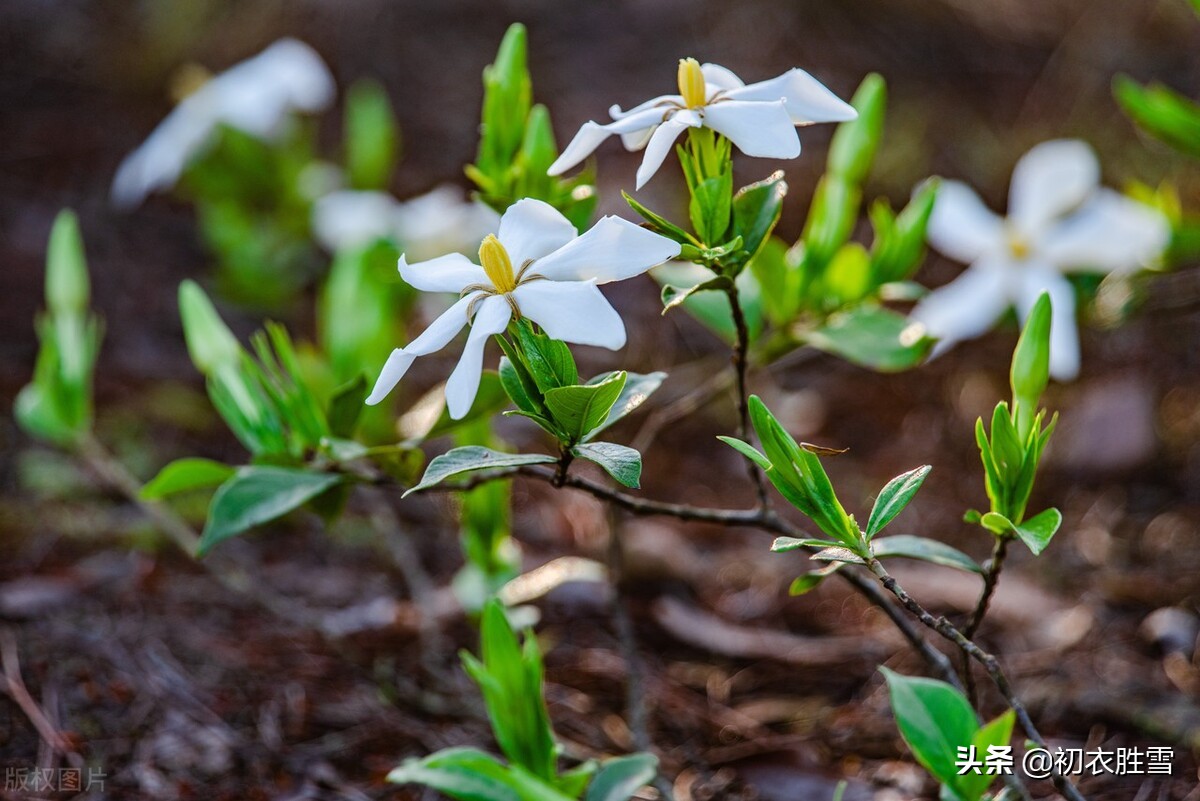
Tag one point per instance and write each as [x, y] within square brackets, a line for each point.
[991, 577]
[741, 364]
[989, 662]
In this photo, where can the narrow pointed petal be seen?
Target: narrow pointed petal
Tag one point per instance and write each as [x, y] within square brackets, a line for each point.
[573, 311]
[352, 218]
[757, 129]
[531, 229]
[432, 339]
[463, 384]
[967, 306]
[661, 141]
[961, 226]
[591, 134]
[450, 273]
[1064, 331]
[611, 250]
[1111, 233]
[159, 161]
[1053, 178]
[721, 78]
[637, 140]
[807, 99]
[660, 102]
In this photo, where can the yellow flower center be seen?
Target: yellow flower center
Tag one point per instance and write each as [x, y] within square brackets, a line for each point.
[497, 265]
[187, 80]
[691, 83]
[1018, 245]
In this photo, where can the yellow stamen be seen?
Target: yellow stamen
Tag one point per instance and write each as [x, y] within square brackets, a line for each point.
[691, 83]
[497, 265]
[1018, 245]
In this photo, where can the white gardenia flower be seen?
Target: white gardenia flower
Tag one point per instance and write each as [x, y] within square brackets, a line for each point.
[759, 118]
[1059, 220]
[439, 221]
[536, 267]
[256, 96]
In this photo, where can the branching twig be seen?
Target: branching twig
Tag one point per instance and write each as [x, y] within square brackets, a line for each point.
[740, 364]
[13, 685]
[992, 665]
[991, 577]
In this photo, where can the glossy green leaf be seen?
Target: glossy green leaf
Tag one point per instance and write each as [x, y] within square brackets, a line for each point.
[1030, 370]
[749, 451]
[809, 581]
[471, 458]
[756, 210]
[873, 337]
[182, 475]
[1037, 531]
[786, 544]
[658, 223]
[619, 461]
[673, 296]
[256, 495]
[619, 778]
[997, 732]
[934, 719]
[927, 550]
[894, 497]
[549, 361]
[637, 390]
[580, 409]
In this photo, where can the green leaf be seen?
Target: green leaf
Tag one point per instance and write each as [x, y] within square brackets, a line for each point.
[619, 778]
[637, 390]
[785, 544]
[848, 277]
[346, 406]
[256, 495]
[1030, 370]
[1162, 112]
[470, 458]
[779, 280]
[673, 296]
[927, 550]
[854, 142]
[621, 462]
[579, 409]
[182, 475]
[712, 308]
[1037, 531]
[809, 581]
[507, 100]
[371, 135]
[210, 342]
[549, 361]
[67, 286]
[934, 719]
[467, 774]
[894, 497]
[900, 241]
[658, 223]
[831, 219]
[756, 210]
[839, 554]
[710, 206]
[997, 732]
[747, 450]
[873, 337]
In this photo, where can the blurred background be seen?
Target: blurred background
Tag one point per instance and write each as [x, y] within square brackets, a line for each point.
[179, 689]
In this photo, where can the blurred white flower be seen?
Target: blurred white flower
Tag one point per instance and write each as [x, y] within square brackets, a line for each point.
[440, 221]
[1059, 220]
[536, 267]
[759, 118]
[255, 96]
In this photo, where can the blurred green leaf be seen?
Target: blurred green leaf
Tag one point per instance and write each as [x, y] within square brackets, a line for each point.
[621, 777]
[256, 495]
[467, 774]
[1162, 112]
[809, 581]
[621, 462]
[210, 342]
[182, 475]
[346, 406]
[470, 458]
[873, 337]
[372, 136]
[854, 142]
[67, 285]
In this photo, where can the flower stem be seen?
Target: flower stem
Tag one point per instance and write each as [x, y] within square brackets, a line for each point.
[741, 364]
[991, 577]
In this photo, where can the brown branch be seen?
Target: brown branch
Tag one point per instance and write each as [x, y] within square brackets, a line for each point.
[989, 662]
[741, 364]
[991, 577]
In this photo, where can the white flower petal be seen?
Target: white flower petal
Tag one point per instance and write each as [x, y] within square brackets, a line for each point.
[573, 311]
[638, 139]
[450, 273]
[350, 219]
[531, 229]
[591, 134]
[1064, 334]
[1052, 179]
[611, 250]
[441, 221]
[432, 339]
[757, 128]
[159, 161]
[961, 226]
[1111, 233]
[463, 384]
[660, 102]
[721, 78]
[661, 141]
[808, 100]
[967, 306]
